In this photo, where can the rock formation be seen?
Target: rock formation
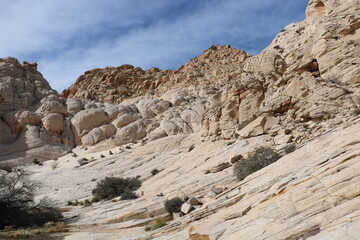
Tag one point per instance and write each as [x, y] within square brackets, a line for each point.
[192, 125]
[32, 115]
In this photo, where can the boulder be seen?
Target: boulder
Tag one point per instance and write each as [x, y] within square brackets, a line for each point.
[186, 208]
[125, 119]
[156, 134]
[149, 108]
[74, 105]
[112, 112]
[98, 134]
[255, 128]
[133, 132]
[18, 120]
[88, 119]
[169, 127]
[52, 107]
[194, 201]
[53, 123]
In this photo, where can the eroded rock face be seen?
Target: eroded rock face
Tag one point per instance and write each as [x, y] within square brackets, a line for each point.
[219, 93]
[217, 64]
[32, 114]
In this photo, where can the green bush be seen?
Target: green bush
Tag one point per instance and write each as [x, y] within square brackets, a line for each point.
[159, 222]
[173, 205]
[257, 160]
[111, 187]
[289, 148]
[128, 195]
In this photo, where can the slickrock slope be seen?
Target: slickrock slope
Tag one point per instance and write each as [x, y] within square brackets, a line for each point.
[312, 193]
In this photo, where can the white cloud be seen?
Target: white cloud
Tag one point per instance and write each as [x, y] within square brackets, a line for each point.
[69, 37]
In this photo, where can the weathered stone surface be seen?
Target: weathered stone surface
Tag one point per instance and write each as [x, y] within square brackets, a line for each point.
[88, 119]
[133, 132]
[253, 129]
[74, 105]
[53, 123]
[98, 134]
[194, 201]
[186, 208]
[220, 167]
[125, 119]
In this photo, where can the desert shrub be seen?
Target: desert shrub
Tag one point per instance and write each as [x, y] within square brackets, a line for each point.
[111, 187]
[257, 160]
[154, 171]
[74, 155]
[289, 148]
[102, 155]
[159, 222]
[37, 162]
[173, 205]
[128, 195]
[17, 205]
[110, 152]
[356, 111]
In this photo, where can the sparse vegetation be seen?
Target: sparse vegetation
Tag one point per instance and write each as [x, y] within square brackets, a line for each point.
[257, 160]
[111, 187]
[154, 171]
[74, 155]
[127, 195]
[289, 148]
[34, 232]
[110, 152]
[352, 42]
[87, 202]
[158, 222]
[357, 111]
[37, 162]
[173, 205]
[17, 205]
[102, 155]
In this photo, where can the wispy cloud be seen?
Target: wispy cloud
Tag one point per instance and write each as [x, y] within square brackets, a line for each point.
[68, 37]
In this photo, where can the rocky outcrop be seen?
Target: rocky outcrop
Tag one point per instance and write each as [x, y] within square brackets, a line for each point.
[31, 115]
[218, 64]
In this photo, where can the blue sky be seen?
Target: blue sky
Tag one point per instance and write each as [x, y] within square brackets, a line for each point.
[68, 37]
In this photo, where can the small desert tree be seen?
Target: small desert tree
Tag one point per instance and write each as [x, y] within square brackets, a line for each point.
[17, 205]
[112, 187]
[257, 160]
